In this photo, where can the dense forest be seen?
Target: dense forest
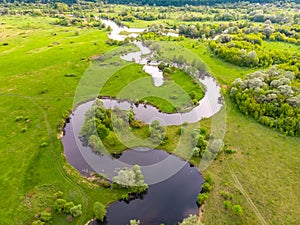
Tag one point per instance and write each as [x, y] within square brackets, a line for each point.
[160, 2]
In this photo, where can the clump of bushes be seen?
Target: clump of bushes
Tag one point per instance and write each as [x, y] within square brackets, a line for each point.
[131, 179]
[99, 211]
[236, 209]
[271, 98]
[206, 188]
[200, 142]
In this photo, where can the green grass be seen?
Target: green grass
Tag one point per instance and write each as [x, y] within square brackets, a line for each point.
[131, 82]
[33, 85]
[265, 162]
[283, 46]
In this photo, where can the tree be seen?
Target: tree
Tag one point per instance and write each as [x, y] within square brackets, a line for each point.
[99, 211]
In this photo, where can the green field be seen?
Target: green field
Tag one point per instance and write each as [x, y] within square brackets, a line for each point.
[131, 82]
[33, 86]
[41, 65]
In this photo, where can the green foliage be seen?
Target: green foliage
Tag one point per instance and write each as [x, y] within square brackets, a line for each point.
[37, 222]
[191, 220]
[76, 210]
[229, 151]
[227, 204]
[99, 211]
[226, 195]
[45, 217]
[68, 206]
[209, 179]
[157, 132]
[237, 210]
[131, 178]
[134, 222]
[206, 187]
[201, 198]
[59, 205]
[270, 98]
[199, 140]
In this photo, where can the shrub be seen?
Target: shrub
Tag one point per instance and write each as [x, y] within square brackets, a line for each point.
[191, 220]
[197, 152]
[99, 211]
[201, 198]
[59, 205]
[23, 130]
[226, 195]
[58, 194]
[206, 187]
[37, 222]
[208, 178]
[237, 210]
[68, 206]
[76, 210]
[134, 222]
[229, 151]
[227, 204]
[18, 118]
[44, 144]
[45, 217]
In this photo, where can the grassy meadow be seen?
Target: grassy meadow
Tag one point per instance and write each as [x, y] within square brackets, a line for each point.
[41, 65]
[36, 96]
[131, 82]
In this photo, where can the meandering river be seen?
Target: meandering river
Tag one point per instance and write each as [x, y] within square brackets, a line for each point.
[173, 183]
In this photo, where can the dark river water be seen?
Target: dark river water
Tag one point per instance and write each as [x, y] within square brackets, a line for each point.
[174, 184]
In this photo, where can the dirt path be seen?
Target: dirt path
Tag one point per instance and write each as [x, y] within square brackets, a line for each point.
[247, 197]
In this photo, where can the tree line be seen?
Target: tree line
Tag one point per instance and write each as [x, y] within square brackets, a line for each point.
[156, 2]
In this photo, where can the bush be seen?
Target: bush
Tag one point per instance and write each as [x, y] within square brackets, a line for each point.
[191, 220]
[45, 217]
[226, 195]
[201, 198]
[237, 210]
[206, 187]
[99, 211]
[59, 205]
[197, 152]
[134, 222]
[37, 222]
[68, 206]
[208, 178]
[58, 194]
[44, 144]
[76, 210]
[227, 204]
[229, 151]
